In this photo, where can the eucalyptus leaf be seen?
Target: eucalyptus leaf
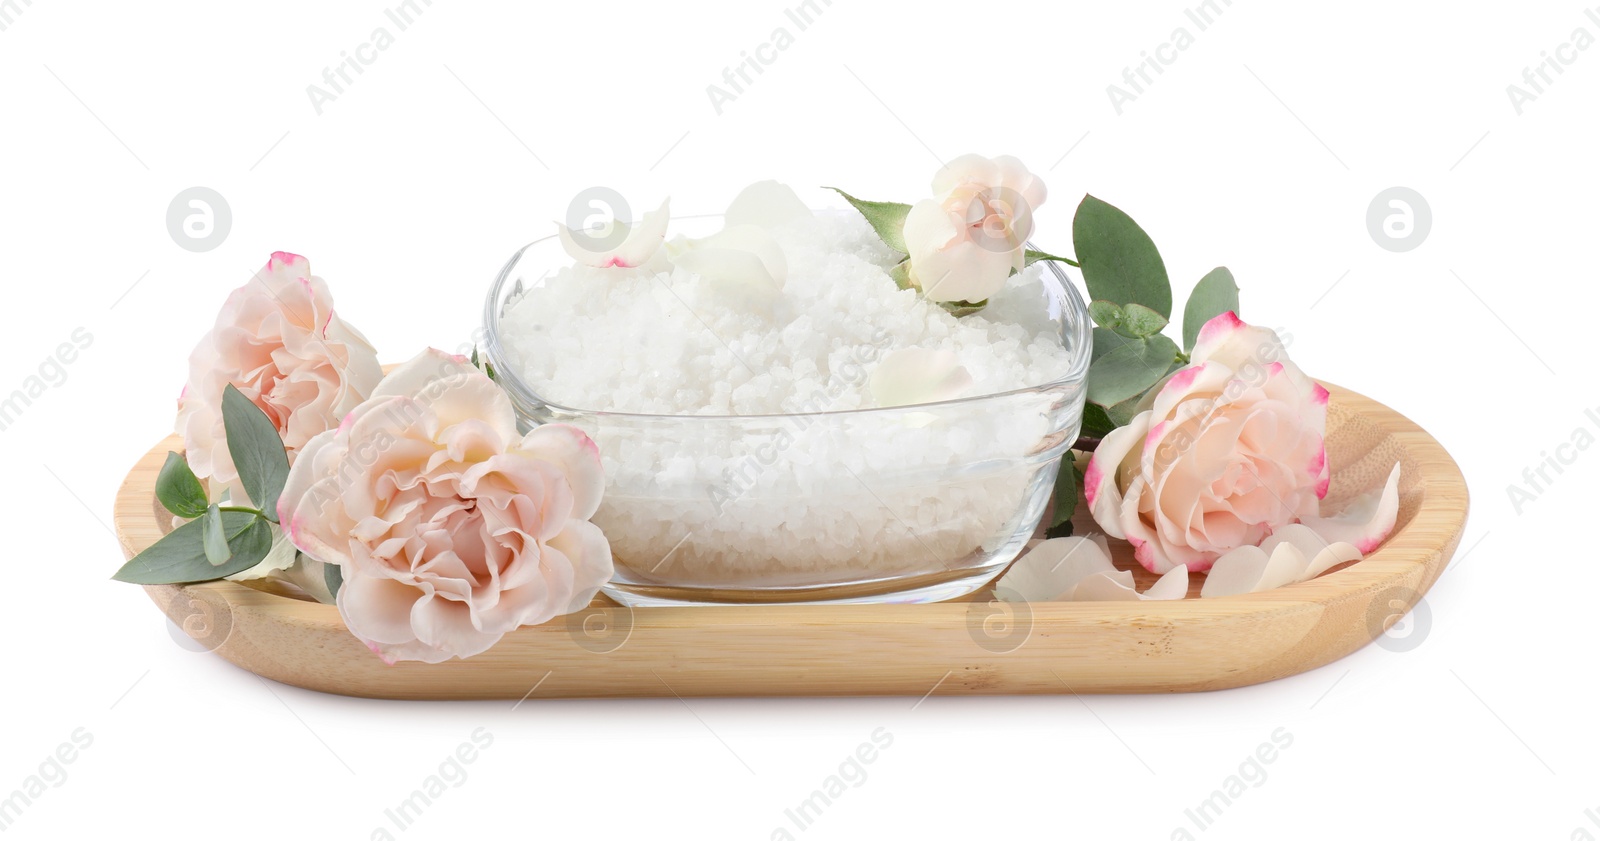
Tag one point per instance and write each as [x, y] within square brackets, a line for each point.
[257, 451]
[1030, 256]
[1066, 495]
[1215, 294]
[1139, 321]
[1120, 263]
[1130, 370]
[212, 537]
[887, 218]
[180, 557]
[1106, 314]
[1122, 413]
[333, 576]
[179, 490]
[1105, 341]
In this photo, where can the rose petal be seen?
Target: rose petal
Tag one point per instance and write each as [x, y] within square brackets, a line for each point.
[767, 204]
[1053, 568]
[752, 239]
[639, 243]
[1101, 483]
[912, 376]
[1236, 572]
[739, 278]
[420, 372]
[575, 453]
[1114, 586]
[377, 609]
[1366, 521]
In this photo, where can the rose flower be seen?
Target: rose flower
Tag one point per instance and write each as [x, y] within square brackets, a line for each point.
[279, 342]
[450, 528]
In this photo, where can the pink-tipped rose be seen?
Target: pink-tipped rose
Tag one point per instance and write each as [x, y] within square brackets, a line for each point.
[278, 340]
[1229, 450]
[450, 528]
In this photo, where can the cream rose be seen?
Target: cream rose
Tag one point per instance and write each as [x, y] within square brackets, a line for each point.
[966, 240]
[449, 527]
[1229, 450]
[279, 342]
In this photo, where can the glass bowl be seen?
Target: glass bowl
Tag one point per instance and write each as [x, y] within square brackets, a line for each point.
[905, 504]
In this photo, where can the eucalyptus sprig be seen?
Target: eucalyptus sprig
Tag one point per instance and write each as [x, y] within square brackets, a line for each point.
[1131, 304]
[219, 540]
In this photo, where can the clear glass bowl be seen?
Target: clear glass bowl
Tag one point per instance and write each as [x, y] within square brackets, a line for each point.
[907, 504]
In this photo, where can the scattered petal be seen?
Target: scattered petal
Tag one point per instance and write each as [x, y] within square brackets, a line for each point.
[637, 244]
[1366, 521]
[1080, 569]
[1050, 570]
[1235, 573]
[912, 376]
[767, 204]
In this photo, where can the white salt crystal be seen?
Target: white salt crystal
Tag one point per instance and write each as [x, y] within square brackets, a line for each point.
[774, 500]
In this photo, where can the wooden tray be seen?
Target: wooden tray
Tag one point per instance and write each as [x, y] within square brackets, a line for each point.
[974, 646]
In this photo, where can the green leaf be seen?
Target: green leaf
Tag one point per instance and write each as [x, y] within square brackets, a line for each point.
[1120, 264]
[1122, 413]
[1130, 370]
[887, 218]
[1139, 321]
[1133, 321]
[963, 308]
[1215, 294]
[180, 557]
[179, 491]
[901, 274]
[1096, 422]
[1106, 314]
[257, 451]
[1066, 495]
[1105, 341]
[1030, 256]
[213, 539]
[333, 576]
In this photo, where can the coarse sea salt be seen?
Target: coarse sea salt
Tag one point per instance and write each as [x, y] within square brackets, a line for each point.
[669, 343]
[761, 491]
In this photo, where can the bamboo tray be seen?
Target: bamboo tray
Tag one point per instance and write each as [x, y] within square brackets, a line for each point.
[973, 646]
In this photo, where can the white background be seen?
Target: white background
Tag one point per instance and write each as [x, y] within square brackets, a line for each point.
[1260, 148]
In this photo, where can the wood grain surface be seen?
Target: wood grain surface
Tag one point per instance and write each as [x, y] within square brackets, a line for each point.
[973, 646]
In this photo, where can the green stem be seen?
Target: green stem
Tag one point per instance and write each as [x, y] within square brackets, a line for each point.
[244, 510]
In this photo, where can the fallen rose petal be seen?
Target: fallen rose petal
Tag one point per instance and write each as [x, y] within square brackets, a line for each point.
[1174, 584]
[1080, 569]
[1286, 564]
[752, 239]
[1114, 586]
[1324, 555]
[911, 376]
[639, 242]
[1237, 572]
[767, 204]
[1051, 569]
[1334, 554]
[740, 279]
[1119, 586]
[1366, 521]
